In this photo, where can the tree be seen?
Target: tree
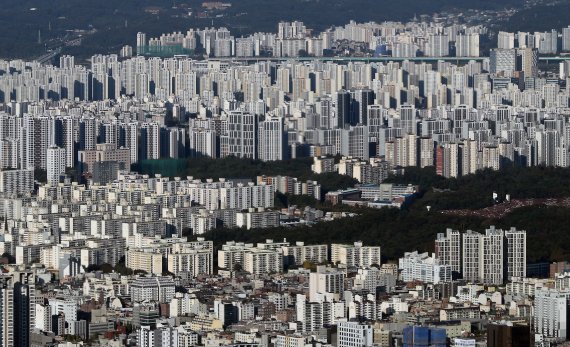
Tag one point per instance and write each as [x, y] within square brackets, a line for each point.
[72, 338]
[187, 232]
[303, 53]
[309, 266]
[107, 268]
[122, 269]
[40, 175]
[9, 258]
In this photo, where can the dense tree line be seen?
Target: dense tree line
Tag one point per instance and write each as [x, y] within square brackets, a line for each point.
[475, 191]
[415, 228]
[232, 167]
[540, 18]
[548, 231]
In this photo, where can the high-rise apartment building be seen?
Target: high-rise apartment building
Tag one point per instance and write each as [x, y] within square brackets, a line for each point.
[493, 257]
[55, 164]
[156, 288]
[448, 249]
[240, 140]
[272, 139]
[326, 280]
[422, 267]
[149, 141]
[18, 301]
[505, 40]
[503, 61]
[551, 313]
[355, 255]
[354, 334]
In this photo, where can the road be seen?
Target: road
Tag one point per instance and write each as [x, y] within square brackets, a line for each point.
[48, 57]
[375, 59]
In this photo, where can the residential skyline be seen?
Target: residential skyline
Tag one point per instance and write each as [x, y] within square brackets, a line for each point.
[369, 185]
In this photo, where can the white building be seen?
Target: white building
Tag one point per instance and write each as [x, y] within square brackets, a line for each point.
[231, 254]
[262, 261]
[491, 256]
[67, 307]
[16, 182]
[422, 267]
[322, 165]
[354, 334]
[190, 262]
[516, 253]
[145, 259]
[157, 288]
[494, 257]
[299, 253]
[551, 313]
[326, 280]
[255, 219]
[272, 143]
[55, 164]
[289, 341]
[315, 314]
[162, 336]
[203, 142]
[355, 255]
[448, 249]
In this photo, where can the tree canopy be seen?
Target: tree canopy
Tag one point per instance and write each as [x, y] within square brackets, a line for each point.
[415, 228]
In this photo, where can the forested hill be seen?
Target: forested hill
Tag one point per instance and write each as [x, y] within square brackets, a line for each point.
[540, 18]
[415, 228]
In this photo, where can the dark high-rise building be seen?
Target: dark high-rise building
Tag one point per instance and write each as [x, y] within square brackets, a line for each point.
[408, 119]
[362, 99]
[343, 109]
[500, 335]
[17, 298]
[87, 134]
[228, 312]
[149, 141]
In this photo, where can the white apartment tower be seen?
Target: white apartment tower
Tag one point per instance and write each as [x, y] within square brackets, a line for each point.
[55, 164]
[161, 336]
[470, 256]
[326, 280]
[494, 257]
[516, 253]
[448, 249]
[261, 261]
[354, 334]
[551, 313]
[355, 255]
[422, 267]
[272, 139]
[491, 256]
[149, 141]
[505, 40]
